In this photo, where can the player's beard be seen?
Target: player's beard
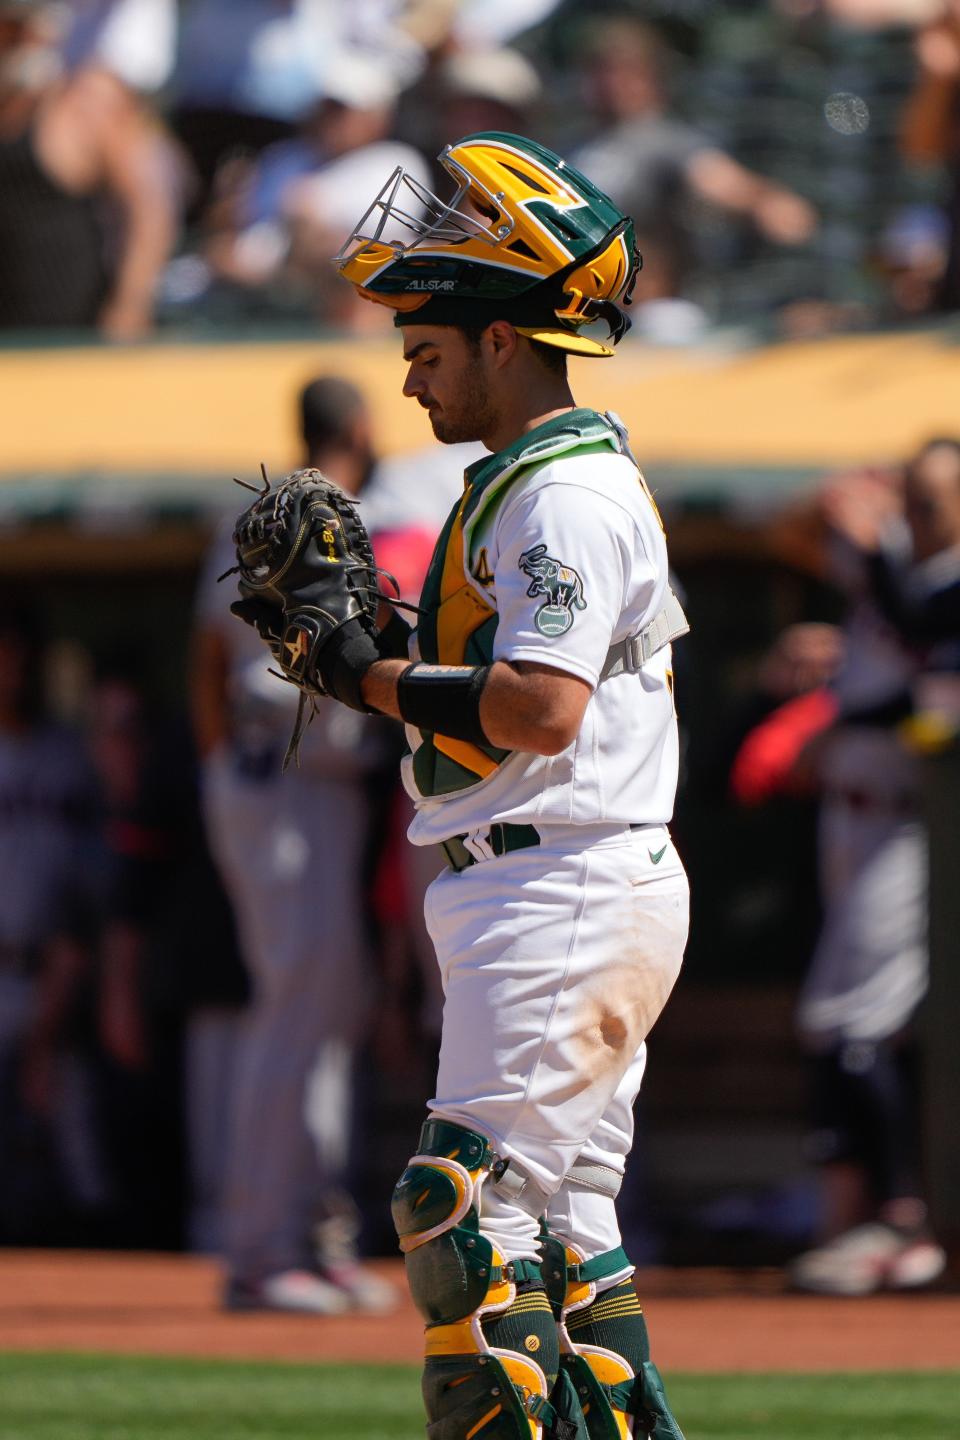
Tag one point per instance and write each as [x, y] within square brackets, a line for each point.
[470, 415]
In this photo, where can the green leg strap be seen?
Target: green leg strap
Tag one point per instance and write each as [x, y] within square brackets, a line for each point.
[567, 1407]
[648, 1401]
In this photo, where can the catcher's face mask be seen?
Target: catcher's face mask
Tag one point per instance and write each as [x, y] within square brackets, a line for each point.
[519, 218]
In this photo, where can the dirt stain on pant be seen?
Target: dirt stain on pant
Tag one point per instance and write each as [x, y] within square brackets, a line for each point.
[616, 1014]
[619, 1006]
[607, 1015]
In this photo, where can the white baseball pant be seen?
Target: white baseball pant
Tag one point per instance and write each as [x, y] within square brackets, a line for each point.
[555, 962]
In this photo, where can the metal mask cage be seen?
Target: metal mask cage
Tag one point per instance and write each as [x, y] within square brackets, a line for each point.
[429, 220]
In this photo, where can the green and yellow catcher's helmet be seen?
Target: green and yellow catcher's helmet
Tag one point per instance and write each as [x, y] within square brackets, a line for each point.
[525, 238]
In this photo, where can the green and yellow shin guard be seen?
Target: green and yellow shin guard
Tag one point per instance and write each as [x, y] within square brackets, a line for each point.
[604, 1348]
[492, 1353]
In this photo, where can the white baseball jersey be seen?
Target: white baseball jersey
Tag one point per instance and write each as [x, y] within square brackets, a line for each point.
[556, 553]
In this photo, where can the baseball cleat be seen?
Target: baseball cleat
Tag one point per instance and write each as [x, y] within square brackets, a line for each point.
[294, 1291]
[337, 1259]
[363, 1289]
[867, 1259]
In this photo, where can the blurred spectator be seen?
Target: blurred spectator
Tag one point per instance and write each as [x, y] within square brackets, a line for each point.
[249, 70]
[49, 1168]
[240, 82]
[87, 218]
[913, 258]
[441, 26]
[306, 944]
[485, 24]
[293, 211]
[871, 14]
[468, 91]
[289, 1222]
[487, 90]
[133, 39]
[652, 165]
[869, 970]
[931, 130]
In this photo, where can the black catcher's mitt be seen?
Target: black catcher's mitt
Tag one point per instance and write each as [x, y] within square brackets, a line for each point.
[308, 582]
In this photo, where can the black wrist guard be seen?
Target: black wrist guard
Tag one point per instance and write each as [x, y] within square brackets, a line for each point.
[345, 662]
[444, 699]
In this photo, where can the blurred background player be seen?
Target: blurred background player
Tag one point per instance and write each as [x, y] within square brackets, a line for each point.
[896, 552]
[931, 129]
[48, 1148]
[289, 1227]
[869, 971]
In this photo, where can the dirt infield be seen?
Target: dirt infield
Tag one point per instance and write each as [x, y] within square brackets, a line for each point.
[700, 1320]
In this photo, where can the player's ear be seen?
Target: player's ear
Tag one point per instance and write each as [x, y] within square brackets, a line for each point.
[501, 341]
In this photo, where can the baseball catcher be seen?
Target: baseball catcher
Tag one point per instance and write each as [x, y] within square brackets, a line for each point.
[537, 694]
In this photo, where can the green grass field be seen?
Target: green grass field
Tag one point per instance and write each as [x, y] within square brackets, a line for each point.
[93, 1397]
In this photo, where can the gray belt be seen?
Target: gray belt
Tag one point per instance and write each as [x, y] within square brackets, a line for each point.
[630, 655]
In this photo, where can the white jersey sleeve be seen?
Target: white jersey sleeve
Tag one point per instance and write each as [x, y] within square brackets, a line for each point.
[573, 573]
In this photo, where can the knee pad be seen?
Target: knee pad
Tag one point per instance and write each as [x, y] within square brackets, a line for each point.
[491, 1345]
[604, 1348]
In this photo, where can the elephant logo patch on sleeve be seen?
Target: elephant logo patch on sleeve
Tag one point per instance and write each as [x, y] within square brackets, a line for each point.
[559, 584]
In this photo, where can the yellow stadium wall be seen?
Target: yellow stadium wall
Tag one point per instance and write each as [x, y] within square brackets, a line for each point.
[223, 408]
